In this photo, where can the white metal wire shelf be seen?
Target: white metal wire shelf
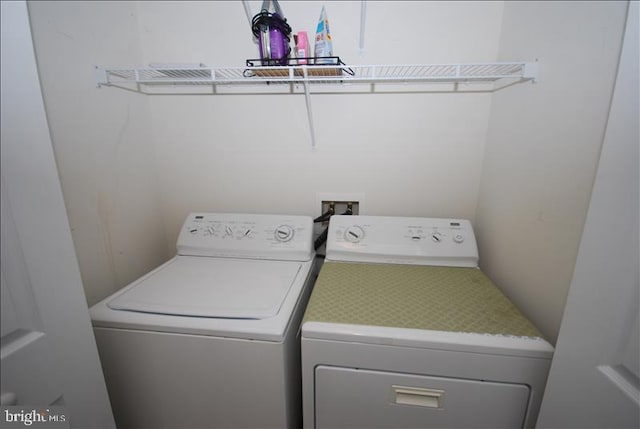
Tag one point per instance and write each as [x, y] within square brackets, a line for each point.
[206, 80]
[136, 78]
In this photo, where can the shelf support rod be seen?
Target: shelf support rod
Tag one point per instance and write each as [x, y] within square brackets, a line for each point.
[247, 11]
[307, 98]
[363, 15]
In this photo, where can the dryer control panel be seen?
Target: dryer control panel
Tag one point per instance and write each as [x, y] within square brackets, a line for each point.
[253, 236]
[402, 240]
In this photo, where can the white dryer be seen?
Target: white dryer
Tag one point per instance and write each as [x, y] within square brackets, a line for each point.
[211, 339]
[403, 330]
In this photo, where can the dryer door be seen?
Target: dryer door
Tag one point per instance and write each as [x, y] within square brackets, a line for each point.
[213, 288]
[354, 398]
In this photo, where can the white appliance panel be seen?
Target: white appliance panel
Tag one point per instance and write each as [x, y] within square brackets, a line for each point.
[421, 338]
[252, 236]
[162, 380]
[267, 329]
[379, 399]
[402, 240]
[212, 287]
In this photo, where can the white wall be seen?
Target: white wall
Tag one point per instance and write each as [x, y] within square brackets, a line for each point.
[543, 146]
[129, 184]
[102, 141]
[410, 154]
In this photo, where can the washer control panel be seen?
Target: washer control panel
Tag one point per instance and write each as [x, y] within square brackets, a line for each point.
[252, 236]
[402, 240]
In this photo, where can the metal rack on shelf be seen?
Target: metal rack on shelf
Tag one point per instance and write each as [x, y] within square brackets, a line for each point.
[331, 70]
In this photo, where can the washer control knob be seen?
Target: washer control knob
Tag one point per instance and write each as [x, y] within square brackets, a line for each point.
[354, 234]
[437, 237]
[458, 238]
[284, 233]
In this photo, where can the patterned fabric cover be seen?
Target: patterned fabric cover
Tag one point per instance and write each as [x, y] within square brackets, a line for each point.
[412, 296]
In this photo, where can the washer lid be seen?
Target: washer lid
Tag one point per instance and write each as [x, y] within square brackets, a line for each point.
[212, 287]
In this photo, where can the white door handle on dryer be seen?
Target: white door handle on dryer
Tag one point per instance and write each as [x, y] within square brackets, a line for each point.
[419, 396]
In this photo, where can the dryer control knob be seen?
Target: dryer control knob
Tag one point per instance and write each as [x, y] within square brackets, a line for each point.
[458, 238]
[354, 234]
[284, 233]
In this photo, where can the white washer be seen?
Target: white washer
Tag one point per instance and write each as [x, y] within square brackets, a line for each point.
[403, 330]
[212, 337]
